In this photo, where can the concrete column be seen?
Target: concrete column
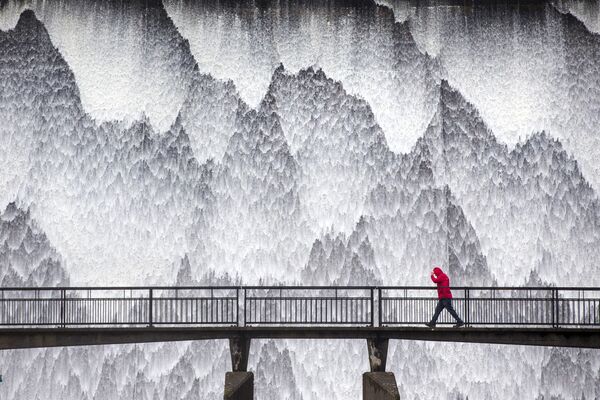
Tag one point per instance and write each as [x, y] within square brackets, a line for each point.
[239, 384]
[239, 347]
[378, 384]
[378, 349]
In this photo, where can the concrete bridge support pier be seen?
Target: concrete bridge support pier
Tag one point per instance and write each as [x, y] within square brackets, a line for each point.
[239, 383]
[378, 384]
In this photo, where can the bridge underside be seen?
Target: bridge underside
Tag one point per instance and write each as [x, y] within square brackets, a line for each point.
[22, 338]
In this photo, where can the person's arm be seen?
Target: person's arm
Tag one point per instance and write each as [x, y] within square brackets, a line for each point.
[435, 279]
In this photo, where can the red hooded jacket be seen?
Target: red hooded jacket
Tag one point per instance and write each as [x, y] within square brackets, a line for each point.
[443, 283]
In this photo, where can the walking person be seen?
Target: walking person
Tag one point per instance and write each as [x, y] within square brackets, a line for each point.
[444, 298]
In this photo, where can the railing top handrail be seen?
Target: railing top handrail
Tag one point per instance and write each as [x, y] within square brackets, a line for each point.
[490, 287]
[308, 287]
[54, 288]
[292, 287]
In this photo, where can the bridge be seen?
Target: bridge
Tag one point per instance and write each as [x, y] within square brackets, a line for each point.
[75, 316]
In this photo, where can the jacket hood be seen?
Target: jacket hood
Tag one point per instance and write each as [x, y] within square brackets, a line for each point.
[438, 271]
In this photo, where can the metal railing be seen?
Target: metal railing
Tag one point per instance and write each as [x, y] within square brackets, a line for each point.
[119, 306]
[356, 306]
[315, 305]
[494, 306]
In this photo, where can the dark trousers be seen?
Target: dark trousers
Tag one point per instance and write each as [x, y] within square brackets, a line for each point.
[447, 304]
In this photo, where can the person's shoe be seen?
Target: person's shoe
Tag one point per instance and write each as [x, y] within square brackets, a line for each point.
[430, 325]
[459, 324]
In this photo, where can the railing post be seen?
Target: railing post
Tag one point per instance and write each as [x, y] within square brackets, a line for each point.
[62, 307]
[212, 306]
[553, 307]
[467, 308]
[557, 313]
[552, 317]
[335, 304]
[245, 307]
[150, 310]
[237, 306]
[372, 307]
[379, 308]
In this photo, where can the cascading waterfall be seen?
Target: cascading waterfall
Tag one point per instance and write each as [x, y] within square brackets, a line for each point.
[340, 142]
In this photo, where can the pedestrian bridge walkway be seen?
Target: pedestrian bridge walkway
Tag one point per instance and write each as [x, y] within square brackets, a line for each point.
[40, 317]
[76, 316]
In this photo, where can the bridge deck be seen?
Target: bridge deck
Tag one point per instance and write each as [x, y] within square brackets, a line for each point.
[17, 338]
[46, 317]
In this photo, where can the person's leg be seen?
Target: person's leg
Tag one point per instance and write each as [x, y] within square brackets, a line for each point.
[448, 305]
[438, 309]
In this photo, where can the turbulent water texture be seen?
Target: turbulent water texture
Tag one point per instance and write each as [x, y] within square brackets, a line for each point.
[337, 142]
